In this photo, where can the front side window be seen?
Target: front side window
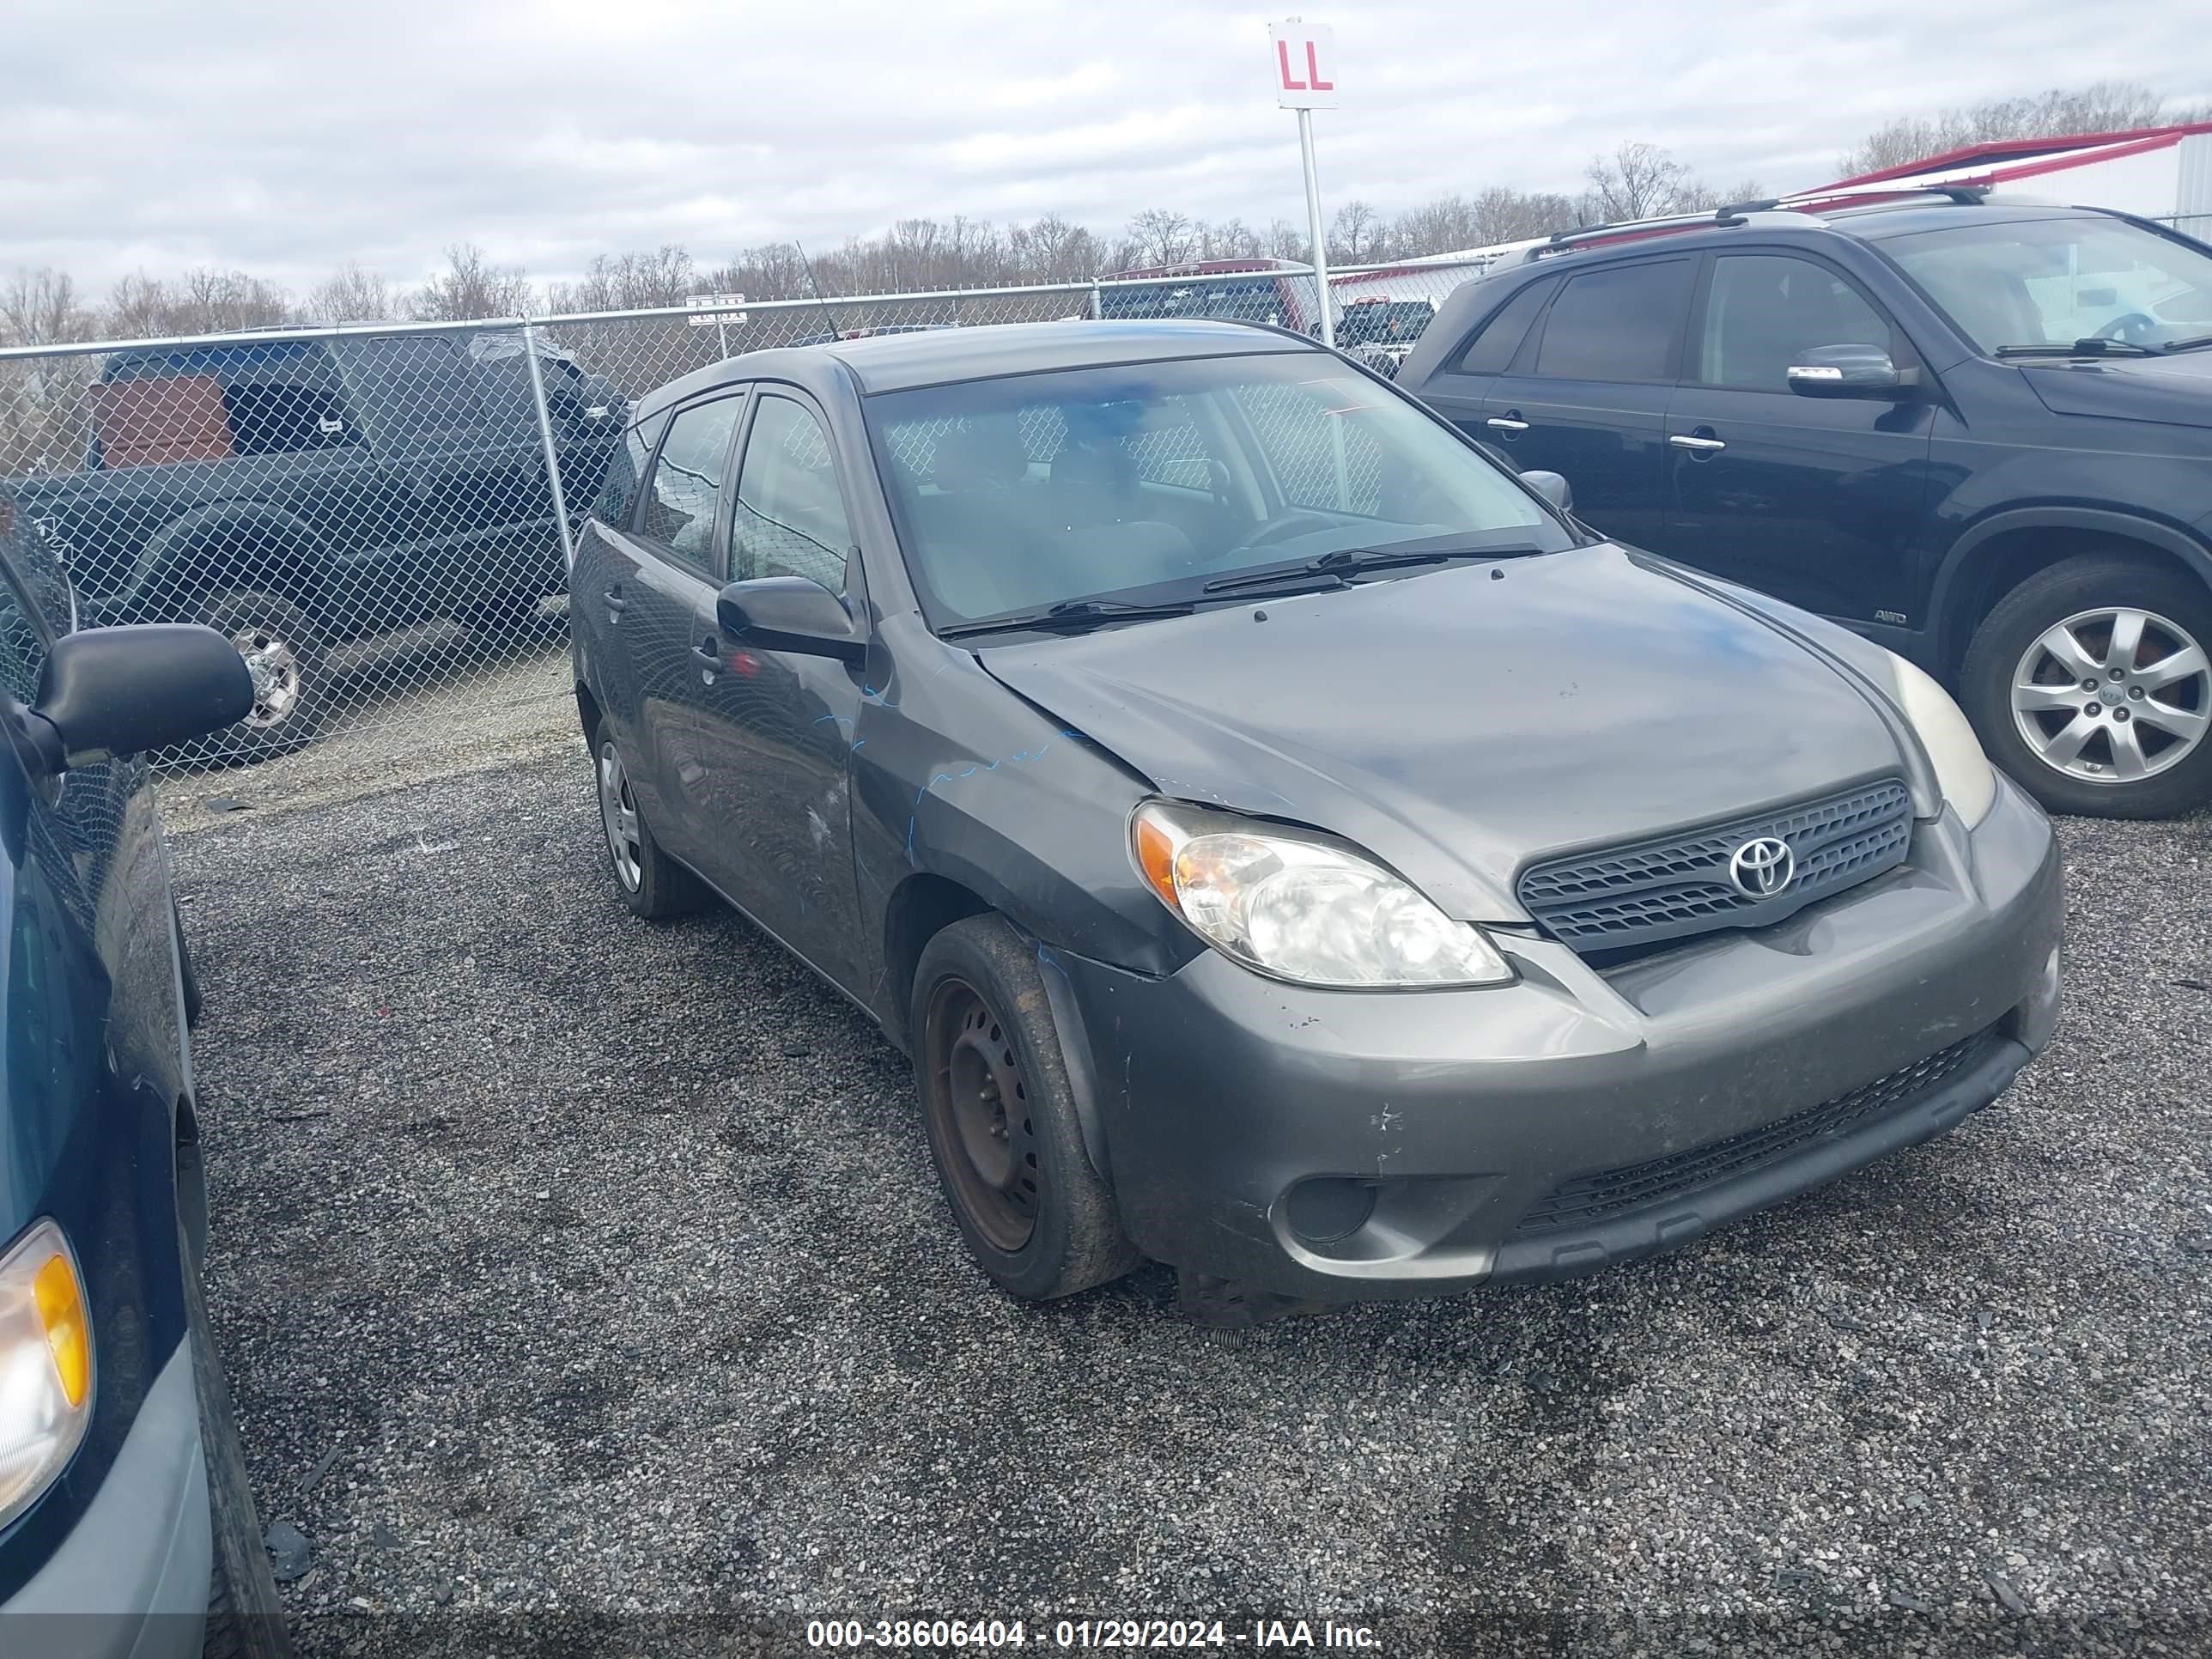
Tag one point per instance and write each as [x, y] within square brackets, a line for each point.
[2052, 282]
[790, 519]
[1016, 494]
[1616, 324]
[1764, 312]
[687, 479]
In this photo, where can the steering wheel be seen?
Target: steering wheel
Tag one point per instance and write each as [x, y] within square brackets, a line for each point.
[1297, 521]
[2134, 328]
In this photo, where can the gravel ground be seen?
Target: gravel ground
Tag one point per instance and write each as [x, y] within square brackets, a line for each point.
[585, 1278]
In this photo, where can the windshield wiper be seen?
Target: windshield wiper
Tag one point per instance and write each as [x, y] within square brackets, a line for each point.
[1071, 616]
[2095, 346]
[2194, 343]
[1346, 562]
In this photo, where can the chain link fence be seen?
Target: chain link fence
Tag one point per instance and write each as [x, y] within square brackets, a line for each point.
[378, 515]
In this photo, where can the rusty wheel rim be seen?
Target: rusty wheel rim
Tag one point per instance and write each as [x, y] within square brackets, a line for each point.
[980, 1110]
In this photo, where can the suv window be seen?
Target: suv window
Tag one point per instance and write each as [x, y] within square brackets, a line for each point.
[1616, 324]
[790, 519]
[687, 479]
[1764, 311]
[1493, 347]
[418, 383]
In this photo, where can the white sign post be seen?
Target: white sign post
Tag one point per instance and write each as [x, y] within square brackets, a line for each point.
[718, 312]
[1305, 81]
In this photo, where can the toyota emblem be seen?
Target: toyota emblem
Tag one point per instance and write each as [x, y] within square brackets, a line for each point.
[1762, 868]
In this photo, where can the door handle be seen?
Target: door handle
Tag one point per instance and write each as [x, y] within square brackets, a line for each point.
[1500, 423]
[1697, 446]
[614, 599]
[709, 658]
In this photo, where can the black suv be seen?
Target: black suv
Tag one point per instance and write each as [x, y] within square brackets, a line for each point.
[293, 494]
[1976, 430]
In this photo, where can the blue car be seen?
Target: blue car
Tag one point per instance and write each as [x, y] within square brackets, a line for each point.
[126, 1526]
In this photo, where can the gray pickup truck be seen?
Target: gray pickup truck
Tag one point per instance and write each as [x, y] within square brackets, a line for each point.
[297, 494]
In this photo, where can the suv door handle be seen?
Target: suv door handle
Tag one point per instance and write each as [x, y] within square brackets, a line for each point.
[1501, 423]
[1695, 444]
[709, 658]
[614, 599]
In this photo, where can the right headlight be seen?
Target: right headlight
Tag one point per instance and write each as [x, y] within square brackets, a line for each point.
[1968, 782]
[45, 1365]
[1303, 908]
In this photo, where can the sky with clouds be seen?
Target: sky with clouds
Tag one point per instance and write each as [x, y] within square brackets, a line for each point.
[284, 139]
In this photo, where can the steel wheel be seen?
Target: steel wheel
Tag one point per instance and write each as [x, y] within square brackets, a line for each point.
[975, 1093]
[276, 677]
[2112, 695]
[619, 813]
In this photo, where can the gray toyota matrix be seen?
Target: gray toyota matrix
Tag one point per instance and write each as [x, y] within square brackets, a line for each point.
[1289, 846]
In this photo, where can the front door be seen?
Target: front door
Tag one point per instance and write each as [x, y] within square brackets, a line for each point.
[783, 724]
[1814, 500]
[1587, 394]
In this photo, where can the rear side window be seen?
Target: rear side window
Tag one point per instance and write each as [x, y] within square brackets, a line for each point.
[625, 467]
[687, 479]
[1492, 349]
[1616, 324]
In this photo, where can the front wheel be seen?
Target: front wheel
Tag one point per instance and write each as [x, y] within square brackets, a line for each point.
[1003, 1129]
[2091, 685]
[291, 683]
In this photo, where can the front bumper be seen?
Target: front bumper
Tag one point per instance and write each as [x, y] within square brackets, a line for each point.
[1327, 1144]
[130, 1582]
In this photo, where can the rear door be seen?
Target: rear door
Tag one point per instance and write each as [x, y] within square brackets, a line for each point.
[1587, 393]
[669, 583]
[1814, 500]
[1458, 387]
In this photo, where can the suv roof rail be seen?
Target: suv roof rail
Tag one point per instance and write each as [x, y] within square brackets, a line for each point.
[1728, 216]
[1966, 195]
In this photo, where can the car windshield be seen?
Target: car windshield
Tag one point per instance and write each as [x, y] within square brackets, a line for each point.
[1145, 482]
[2053, 282]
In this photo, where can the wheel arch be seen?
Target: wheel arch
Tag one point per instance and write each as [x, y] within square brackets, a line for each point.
[922, 905]
[230, 544]
[2004, 549]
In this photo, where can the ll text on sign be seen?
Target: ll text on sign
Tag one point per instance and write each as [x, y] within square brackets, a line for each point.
[708, 309]
[1304, 64]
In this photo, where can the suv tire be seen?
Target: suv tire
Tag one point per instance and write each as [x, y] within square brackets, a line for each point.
[292, 691]
[2014, 685]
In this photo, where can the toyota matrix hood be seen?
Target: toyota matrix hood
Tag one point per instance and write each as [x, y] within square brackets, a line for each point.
[1461, 722]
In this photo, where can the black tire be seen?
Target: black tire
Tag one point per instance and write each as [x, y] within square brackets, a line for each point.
[2076, 587]
[1039, 1220]
[653, 885]
[245, 1616]
[270, 625]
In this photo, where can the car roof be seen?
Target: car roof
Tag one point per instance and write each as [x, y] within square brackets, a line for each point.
[900, 363]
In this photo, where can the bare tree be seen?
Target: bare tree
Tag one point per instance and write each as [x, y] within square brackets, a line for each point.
[1355, 234]
[2102, 107]
[470, 286]
[350, 294]
[40, 307]
[1161, 236]
[630, 282]
[1638, 181]
[1284, 241]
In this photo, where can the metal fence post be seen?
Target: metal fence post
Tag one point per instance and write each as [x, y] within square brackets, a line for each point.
[545, 438]
[1097, 301]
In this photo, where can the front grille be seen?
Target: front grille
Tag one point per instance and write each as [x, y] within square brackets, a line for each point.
[1588, 1199]
[1670, 887]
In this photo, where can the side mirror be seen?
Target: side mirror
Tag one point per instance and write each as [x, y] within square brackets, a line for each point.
[123, 691]
[790, 613]
[1552, 487]
[1846, 371]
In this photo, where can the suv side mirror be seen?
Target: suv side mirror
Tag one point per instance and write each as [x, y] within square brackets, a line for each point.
[1846, 371]
[123, 691]
[1552, 487]
[790, 613]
